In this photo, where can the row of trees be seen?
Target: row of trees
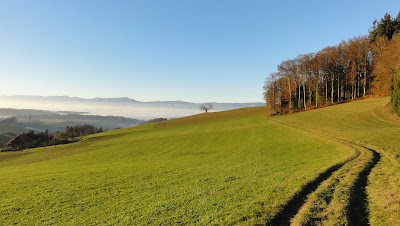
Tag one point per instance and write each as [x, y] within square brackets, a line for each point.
[77, 131]
[336, 73]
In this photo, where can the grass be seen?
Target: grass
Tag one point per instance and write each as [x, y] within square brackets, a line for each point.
[205, 169]
[233, 167]
[361, 121]
[366, 123]
[330, 203]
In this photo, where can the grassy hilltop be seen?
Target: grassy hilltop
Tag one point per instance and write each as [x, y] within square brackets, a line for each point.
[230, 167]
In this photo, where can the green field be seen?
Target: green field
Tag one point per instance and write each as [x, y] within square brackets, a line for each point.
[367, 124]
[337, 165]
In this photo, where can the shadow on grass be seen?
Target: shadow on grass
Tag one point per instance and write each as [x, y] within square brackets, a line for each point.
[358, 207]
[293, 205]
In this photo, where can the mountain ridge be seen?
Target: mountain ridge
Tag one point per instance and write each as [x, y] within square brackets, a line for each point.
[129, 101]
[116, 99]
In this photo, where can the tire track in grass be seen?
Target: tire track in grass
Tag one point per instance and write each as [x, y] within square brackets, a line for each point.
[357, 207]
[329, 204]
[296, 202]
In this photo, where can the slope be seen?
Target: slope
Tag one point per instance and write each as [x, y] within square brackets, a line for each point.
[367, 126]
[207, 169]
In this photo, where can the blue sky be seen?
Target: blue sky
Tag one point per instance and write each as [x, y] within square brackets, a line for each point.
[196, 51]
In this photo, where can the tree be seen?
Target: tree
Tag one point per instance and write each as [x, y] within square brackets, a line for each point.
[387, 26]
[271, 91]
[77, 131]
[336, 73]
[395, 91]
[381, 36]
[380, 70]
[392, 57]
[287, 70]
[355, 68]
[206, 107]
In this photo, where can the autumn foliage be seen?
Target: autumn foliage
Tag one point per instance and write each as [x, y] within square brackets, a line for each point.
[392, 54]
[335, 73]
[360, 66]
[385, 39]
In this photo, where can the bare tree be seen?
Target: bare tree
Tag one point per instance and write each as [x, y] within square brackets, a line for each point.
[206, 107]
[333, 74]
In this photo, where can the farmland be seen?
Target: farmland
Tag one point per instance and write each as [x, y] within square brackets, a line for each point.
[337, 165]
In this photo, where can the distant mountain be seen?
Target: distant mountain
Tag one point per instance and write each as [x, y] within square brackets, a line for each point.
[112, 100]
[123, 106]
[129, 101]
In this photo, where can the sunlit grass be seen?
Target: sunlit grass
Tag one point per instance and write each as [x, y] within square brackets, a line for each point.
[211, 169]
[367, 123]
[215, 168]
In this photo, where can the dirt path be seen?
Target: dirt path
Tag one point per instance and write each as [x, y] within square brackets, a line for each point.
[337, 196]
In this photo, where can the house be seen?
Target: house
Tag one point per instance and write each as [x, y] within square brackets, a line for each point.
[29, 140]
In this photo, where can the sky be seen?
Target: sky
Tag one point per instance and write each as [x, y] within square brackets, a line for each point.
[196, 51]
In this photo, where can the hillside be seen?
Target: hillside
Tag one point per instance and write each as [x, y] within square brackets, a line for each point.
[367, 125]
[217, 168]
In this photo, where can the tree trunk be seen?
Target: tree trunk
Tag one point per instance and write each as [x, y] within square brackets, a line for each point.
[304, 95]
[338, 87]
[273, 98]
[295, 93]
[332, 88]
[326, 90]
[290, 95]
[299, 99]
[316, 95]
[365, 80]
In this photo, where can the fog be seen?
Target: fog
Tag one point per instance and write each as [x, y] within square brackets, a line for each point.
[104, 109]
